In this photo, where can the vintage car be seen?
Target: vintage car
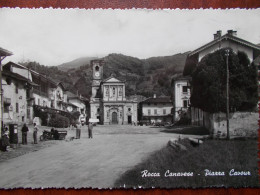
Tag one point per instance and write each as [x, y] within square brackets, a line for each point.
[53, 135]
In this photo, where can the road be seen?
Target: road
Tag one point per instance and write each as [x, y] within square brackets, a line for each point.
[84, 162]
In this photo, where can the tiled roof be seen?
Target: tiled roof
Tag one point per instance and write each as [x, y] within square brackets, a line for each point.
[225, 37]
[17, 77]
[4, 52]
[182, 78]
[165, 99]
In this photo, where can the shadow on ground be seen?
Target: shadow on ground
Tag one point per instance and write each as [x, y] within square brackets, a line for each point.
[187, 130]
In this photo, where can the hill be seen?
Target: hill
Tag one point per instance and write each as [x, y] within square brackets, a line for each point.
[75, 63]
[143, 76]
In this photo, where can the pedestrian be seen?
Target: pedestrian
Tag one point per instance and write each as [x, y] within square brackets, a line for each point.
[78, 130]
[24, 134]
[35, 130]
[5, 139]
[90, 128]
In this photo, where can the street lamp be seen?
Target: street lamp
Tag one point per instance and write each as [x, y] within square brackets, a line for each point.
[3, 54]
[227, 87]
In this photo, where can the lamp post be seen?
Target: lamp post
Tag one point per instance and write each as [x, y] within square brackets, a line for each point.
[227, 88]
[3, 54]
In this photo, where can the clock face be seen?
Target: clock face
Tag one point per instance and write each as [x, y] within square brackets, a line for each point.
[97, 74]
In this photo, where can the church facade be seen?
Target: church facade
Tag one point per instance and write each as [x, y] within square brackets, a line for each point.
[108, 102]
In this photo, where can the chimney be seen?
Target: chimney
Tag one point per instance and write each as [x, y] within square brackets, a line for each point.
[218, 34]
[232, 32]
[154, 95]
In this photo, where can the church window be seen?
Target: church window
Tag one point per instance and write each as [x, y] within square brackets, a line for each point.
[129, 109]
[114, 91]
[107, 91]
[120, 91]
[98, 110]
[97, 68]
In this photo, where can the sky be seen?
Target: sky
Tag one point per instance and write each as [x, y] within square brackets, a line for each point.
[55, 36]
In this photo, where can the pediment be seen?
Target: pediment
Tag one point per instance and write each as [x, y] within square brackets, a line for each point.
[112, 80]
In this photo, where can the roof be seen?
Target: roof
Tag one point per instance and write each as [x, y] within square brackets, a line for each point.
[112, 79]
[165, 99]
[17, 77]
[71, 95]
[181, 78]
[225, 37]
[52, 81]
[4, 52]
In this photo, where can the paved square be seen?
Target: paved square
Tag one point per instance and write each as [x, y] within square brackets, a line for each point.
[84, 162]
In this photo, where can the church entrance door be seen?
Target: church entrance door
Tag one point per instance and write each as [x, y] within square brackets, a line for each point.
[114, 118]
[129, 119]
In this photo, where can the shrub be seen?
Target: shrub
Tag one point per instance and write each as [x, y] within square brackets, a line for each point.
[59, 121]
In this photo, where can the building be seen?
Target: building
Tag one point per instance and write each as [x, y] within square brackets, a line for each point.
[157, 109]
[25, 88]
[16, 97]
[3, 54]
[181, 89]
[108, 101]
[229, 40]
[78, 101]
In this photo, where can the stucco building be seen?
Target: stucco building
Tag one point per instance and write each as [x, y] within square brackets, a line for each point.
[15, 98]
[181, 98]
[157, 109]
[108, 101]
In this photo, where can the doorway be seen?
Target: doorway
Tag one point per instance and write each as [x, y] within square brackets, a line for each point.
[114, 118]
[129, 119]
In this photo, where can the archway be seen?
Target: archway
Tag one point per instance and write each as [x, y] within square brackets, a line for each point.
[114, 118]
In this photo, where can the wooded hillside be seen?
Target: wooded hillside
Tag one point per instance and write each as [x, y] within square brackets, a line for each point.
[142, 76]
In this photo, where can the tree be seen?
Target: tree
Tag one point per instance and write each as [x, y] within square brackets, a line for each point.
[209, 83]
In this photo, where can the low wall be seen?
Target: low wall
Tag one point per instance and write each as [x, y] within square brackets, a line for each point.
[240, 123]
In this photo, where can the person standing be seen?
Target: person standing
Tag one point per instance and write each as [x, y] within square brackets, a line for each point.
[5, 139]
[24, 134]
[78, 131]
[35, 130]
[90, 129]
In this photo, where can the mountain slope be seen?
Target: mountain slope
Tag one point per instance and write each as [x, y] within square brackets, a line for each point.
[142, 76]
[74, 64]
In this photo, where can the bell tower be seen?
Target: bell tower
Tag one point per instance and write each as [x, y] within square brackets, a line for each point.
[97, 75]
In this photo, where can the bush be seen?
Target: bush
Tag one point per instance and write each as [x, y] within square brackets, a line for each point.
[59, 121]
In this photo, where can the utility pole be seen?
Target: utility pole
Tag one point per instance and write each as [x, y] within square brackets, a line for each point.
[227, 54]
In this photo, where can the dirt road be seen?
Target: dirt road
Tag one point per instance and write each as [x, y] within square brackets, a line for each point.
[96, 162]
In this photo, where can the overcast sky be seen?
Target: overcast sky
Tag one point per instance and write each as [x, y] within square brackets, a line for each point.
[55, 36]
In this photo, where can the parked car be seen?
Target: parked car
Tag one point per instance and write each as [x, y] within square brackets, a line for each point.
[144, 123]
